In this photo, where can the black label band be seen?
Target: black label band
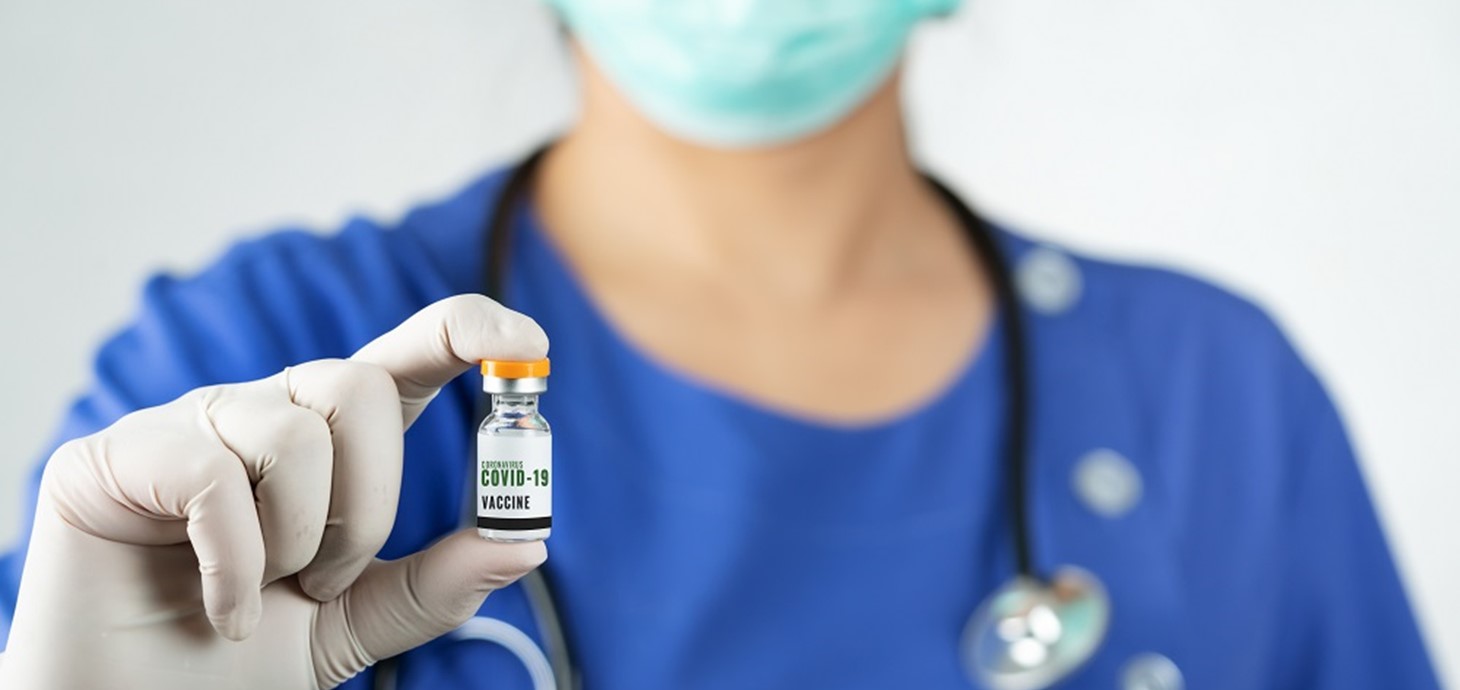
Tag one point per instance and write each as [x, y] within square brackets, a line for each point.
[514, 523]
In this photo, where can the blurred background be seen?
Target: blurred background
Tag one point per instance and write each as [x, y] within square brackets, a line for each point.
[1303, 153]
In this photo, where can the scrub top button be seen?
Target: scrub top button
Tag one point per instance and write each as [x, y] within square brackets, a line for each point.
[1151, 671]
[1048, 280]
[1107, 483]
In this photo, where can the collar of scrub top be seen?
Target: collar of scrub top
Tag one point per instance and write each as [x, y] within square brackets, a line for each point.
[1016, 392]
[978, 233]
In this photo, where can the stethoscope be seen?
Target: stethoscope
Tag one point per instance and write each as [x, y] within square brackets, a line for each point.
[1029, 634]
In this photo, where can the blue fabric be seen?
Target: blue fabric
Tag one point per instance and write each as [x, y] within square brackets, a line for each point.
[702, 541]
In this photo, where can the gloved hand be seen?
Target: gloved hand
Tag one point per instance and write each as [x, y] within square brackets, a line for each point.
[227, 539]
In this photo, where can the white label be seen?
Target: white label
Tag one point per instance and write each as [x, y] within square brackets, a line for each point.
[514, 482]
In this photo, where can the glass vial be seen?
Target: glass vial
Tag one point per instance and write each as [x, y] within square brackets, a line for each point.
[514, 455]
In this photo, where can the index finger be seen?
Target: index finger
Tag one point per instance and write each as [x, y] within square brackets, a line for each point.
[440, 342]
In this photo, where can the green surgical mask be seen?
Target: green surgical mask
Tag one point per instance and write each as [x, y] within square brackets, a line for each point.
[746, 73]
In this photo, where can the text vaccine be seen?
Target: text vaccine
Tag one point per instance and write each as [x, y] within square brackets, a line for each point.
[514, 455]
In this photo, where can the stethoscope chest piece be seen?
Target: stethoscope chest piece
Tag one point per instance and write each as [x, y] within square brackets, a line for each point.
[1030, 634]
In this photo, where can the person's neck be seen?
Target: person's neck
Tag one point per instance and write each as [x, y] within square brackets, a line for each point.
[802, 218]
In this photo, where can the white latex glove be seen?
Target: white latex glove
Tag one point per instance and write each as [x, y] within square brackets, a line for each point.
[191, 545]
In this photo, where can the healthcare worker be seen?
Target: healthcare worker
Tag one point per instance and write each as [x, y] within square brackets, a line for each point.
[781, 403]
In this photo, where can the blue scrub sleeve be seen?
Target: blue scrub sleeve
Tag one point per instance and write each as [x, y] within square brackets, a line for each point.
[1351, 624]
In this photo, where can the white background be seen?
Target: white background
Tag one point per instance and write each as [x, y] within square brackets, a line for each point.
[1304, 153]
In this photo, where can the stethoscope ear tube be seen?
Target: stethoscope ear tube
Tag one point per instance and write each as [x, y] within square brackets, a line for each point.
[497, 235]
[497, 239]
[1017, 402]
[1034, 631]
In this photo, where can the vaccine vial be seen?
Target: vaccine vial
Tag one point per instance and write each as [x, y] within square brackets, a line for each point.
[514, 455]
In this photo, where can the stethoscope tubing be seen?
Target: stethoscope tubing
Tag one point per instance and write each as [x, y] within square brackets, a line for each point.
[497, 240]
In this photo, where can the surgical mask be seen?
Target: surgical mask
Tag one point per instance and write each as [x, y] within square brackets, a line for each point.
[746, 73]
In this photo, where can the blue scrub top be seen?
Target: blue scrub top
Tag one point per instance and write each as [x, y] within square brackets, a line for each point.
[1183, 453]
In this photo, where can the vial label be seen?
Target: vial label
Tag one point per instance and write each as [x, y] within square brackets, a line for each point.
[514, 482]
